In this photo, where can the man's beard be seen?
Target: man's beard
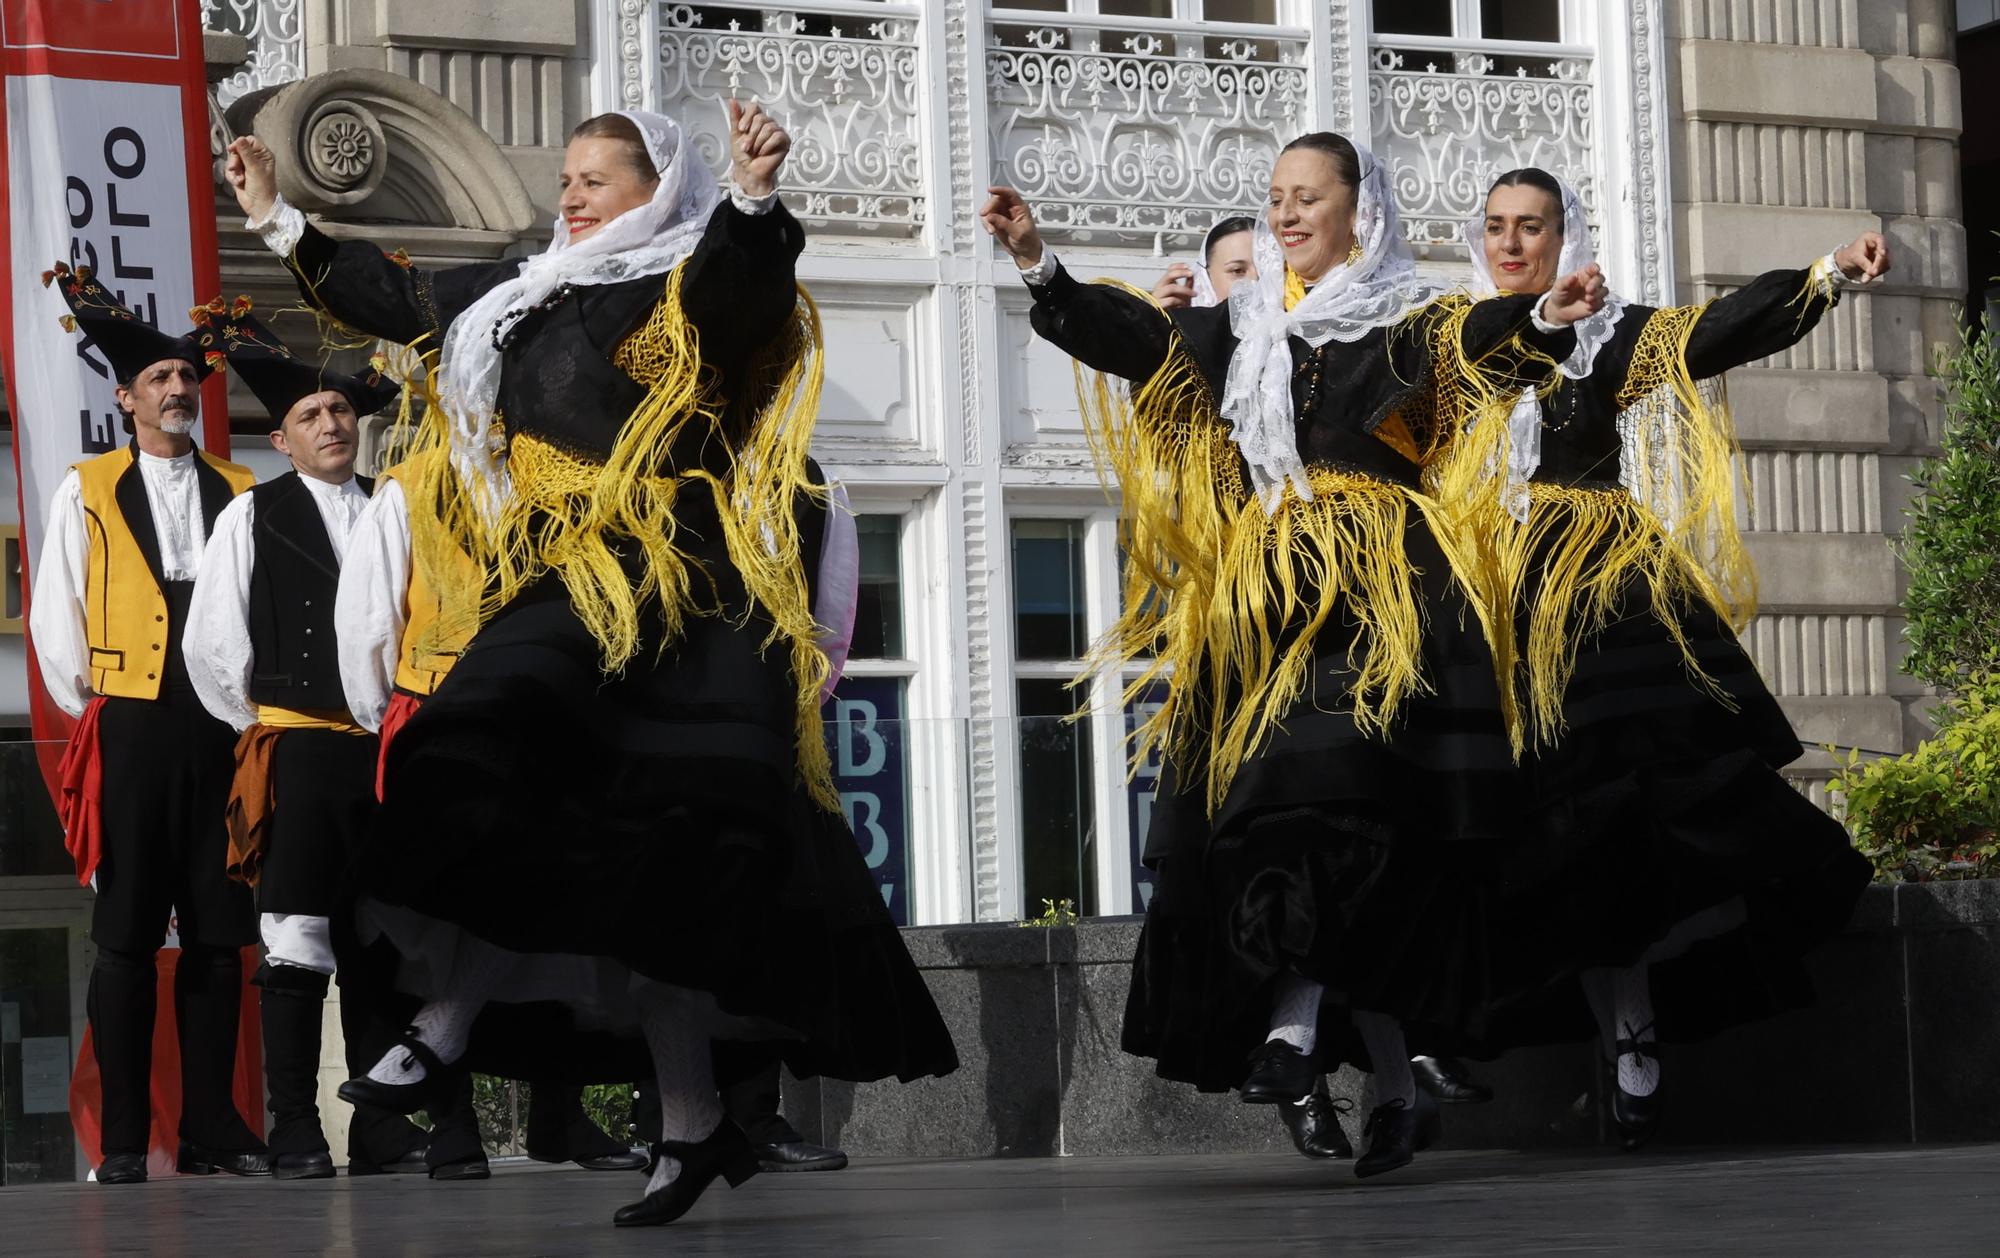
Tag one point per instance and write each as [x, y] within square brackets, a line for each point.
[177, 423]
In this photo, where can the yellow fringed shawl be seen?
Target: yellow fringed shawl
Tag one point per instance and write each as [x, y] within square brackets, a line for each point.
[571, 515]
[1567, 569]
[1222, 601]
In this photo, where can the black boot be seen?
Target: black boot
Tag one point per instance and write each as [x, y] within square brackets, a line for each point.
[121, 1003]
[208, 1001]
[726, 1152]
[379, 1142]
[455, 1151]
[1315, 1124]
[560, 1131]
[294, 1008]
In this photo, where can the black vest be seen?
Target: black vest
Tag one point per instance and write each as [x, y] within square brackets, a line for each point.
[293, 577]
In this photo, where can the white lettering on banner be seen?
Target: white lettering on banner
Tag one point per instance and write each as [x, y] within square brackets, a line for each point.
[94, 177]
[855, 718]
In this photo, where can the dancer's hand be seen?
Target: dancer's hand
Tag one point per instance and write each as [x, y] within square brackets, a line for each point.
[1867, 258]
[757, 148]
[253, 176]
[1575, 296]
[1176, 288]
[1008, 220]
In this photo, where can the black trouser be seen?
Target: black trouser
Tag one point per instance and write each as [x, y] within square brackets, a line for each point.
[166, 769]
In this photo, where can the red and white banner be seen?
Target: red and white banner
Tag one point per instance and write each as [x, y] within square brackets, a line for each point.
[106, 152]
[105, 148]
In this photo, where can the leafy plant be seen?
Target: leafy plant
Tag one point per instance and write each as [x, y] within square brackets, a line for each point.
[1952, 543]
[1055, 913]
[1932, 813]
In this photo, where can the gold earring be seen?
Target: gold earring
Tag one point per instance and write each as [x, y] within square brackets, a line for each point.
[1354, 254]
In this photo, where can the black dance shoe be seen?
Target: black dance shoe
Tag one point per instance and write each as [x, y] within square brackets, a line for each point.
[403, 1098]
[122, 1168]
[583, 1142]
[726, 1152]
[1636, 1118]
[317, 1164]
[411, 1163]
[1448, 1081]
[195, 1160]
[471, 1168]
[1279, 1074]
[1315, 1124]
[798, 1155]
[1396, 1133]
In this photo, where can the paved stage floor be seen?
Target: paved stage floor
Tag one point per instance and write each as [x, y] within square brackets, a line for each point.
[1877, 1202]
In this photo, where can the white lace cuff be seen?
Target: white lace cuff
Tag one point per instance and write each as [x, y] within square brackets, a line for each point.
[752, 205]
[1828, 278]
[1543, 325]
[281, 228]
[1043, 271]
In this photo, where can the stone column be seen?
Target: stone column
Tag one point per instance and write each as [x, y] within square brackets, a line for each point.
[1800, 124]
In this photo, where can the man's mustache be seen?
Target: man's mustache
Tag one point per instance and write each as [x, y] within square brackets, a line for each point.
[177, 403]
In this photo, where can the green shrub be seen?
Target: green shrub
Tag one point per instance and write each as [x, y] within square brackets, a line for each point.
[1933, 812]
[1952, 542]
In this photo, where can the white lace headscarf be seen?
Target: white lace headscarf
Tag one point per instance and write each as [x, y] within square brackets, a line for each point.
[1524, 426]
[1204, 287]
[1347, 303]
[648, 240]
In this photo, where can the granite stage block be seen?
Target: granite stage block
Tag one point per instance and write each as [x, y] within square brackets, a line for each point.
[1930, 906]
[1954, 978]
[1837, 1071]
[1002, 1101]
[1114, 1103]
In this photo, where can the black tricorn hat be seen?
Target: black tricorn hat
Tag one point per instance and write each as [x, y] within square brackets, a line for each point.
[279, 377]
[128, 341]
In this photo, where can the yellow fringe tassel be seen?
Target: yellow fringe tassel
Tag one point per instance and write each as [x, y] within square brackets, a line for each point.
[571, 515]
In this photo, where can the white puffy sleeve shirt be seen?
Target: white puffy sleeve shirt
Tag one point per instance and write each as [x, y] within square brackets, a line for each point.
[371, 609]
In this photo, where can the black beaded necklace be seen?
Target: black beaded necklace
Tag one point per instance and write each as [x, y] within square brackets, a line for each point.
[508, 324]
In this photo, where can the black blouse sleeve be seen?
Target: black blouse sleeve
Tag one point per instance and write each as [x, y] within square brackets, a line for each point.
[1773, 312]
[1104, 328]
[375, 293]
[740, 285]
[1487, 339]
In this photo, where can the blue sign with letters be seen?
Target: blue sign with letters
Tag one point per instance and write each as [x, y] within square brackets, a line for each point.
[869, 742]
[1139, 793]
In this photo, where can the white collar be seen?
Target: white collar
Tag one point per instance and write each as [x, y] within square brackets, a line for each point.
[325, 489]
[174, 462]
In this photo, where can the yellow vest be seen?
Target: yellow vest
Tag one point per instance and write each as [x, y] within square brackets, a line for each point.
[125, 611]
[421, 671]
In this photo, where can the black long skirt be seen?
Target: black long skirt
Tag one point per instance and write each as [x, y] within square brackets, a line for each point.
[645, 824]
[1363, 863]
[1662, 801]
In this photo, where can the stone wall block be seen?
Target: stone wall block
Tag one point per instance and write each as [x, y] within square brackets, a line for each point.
[1898, 333]
[1885, 28]
[1805, 571]
[1825, 409]
[1733, 243]
[1921, 95]
[1874, 724]
[1892, 174]
[544, 27]
[1772, 82]
[1937, 178]
[1916, 414]
[1929, 254]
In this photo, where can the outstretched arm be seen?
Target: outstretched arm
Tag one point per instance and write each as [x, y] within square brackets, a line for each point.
[1779, 309]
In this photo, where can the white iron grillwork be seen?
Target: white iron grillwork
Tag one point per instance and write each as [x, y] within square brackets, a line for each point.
[277, 38]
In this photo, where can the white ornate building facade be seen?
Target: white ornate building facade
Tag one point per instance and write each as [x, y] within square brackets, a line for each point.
[1713, 139]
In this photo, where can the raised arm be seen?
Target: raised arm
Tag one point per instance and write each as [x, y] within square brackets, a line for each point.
[373, 292]
[1779, 309]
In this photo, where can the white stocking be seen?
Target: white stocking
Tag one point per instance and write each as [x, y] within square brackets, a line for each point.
[1295, 1012]
[677, 1035]
[445, 1024]
[1622, 1001]
[1383, 1036]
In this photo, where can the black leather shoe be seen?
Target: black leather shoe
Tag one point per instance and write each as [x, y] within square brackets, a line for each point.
[469, 1169]
[726, 1152]
[122, 1168]
[629, 1160]
[1448, 1081]
[1315, 1124]
[403, 1098]
[798, 1155]
[1278, 1074]
[1634, 1118]
[314, 1165]
[585, 1143]
[411, 1163]
[1396, 1133]
[195, 1160]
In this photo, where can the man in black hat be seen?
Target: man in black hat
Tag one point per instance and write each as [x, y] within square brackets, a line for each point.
[111, 592]
[261, 654]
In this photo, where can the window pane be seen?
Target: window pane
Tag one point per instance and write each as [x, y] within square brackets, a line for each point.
[1413, 17]
[37, 1144]
[1137, 8]
[1058, 841]
[1048, 590]
[871, 745]
[1537, 20]
[1260, 12]
[878, 611]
